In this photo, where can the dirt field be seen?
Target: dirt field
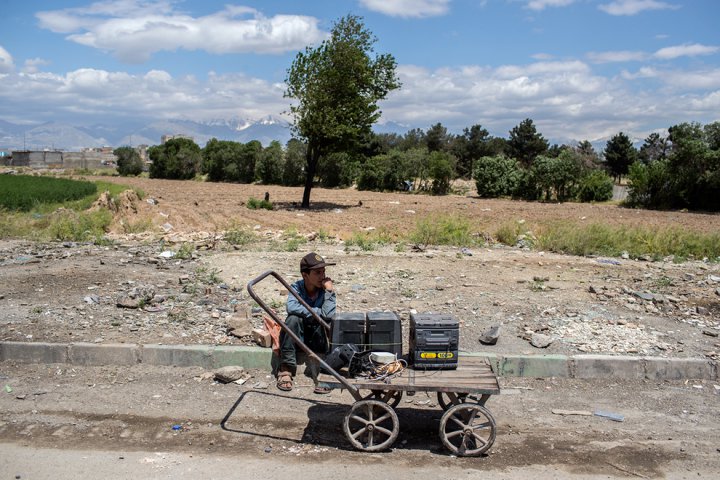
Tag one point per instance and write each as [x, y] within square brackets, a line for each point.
[135, 292]
[195, 206]
[119, 421]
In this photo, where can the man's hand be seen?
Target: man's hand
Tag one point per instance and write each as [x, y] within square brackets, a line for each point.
[327, 284]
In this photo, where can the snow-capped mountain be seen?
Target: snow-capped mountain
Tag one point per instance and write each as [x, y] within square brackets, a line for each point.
[72, 138]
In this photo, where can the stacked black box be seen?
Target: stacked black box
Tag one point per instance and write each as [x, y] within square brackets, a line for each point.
[376, 331]
[434, 340]
[384, 333]
[348, 328]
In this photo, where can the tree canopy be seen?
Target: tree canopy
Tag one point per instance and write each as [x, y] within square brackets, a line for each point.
[337, 86]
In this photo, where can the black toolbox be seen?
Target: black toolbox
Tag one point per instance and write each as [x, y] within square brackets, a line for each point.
[384, 333]
[348, 327]
[434, 340]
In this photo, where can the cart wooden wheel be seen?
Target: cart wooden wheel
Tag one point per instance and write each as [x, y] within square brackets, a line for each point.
[391, 397]
[448, 399]
[371, 425]
[467, 429]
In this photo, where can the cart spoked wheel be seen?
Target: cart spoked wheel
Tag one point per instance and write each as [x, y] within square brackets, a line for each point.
[448, 399]
[371, 425]
[467, 429]
[391, 397]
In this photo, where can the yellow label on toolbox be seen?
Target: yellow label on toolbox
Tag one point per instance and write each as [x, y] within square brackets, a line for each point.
[442, 355]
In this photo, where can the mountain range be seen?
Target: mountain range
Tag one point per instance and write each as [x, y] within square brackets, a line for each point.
[62, 136]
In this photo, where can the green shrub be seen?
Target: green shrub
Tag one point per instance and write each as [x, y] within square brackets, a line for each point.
[451, 230]
[128, 161]
[596, 186]
[496, 176]
[236, 235]
[254, 204]
[68, 225]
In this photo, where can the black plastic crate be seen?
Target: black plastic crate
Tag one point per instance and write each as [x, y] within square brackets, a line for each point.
[348, 327]
[434, 341]
[384, 332]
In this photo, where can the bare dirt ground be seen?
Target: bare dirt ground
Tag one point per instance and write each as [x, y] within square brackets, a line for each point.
[164, 422]
[134, 291]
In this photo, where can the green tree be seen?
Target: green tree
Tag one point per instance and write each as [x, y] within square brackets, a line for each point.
[337, 86]
[413, 138]
[694, 167]
[654, 148]
[595, 186]
[179, 158]
[293, 172]
[496, 176]
[441, 169]
[437, 138]
[217, 156]
[558, 177]
[474, 143]
[269, 167]
[128, 161]
[525, 143]
[588, 156]
[619, 155]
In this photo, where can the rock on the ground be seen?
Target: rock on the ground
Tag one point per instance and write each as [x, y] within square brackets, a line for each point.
[229, 374]
[541, 341]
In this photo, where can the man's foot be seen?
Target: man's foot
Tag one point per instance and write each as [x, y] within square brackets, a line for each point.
[284, 381]
[321, 390]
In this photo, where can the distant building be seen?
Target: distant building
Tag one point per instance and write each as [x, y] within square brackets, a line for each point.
[58, 159]
[165, 138]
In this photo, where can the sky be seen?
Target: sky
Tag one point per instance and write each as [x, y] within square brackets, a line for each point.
[580, 69]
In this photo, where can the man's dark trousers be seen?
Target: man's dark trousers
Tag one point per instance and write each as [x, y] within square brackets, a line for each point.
[309, 331]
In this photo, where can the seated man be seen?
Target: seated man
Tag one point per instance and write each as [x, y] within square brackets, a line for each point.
[317, 290]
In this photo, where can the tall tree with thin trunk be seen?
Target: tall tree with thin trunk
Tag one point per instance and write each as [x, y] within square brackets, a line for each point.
[337, 86]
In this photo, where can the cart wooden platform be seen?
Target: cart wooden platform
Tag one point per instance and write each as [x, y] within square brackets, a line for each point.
[466, 428]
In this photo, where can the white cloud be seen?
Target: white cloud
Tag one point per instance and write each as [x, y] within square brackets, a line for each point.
[134, 30]
[99, 95]
[543, 4]
[408, 8]
[6, 61]
[618, 56]
[32, 65]
[566, 99]
[633, 7]
[687, 50]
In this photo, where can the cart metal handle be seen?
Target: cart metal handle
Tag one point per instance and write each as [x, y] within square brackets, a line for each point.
[351, 388]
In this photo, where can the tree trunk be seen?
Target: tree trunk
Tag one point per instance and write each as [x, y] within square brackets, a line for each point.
[312, 161]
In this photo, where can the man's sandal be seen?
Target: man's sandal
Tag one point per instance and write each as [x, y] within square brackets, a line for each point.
[321, 390]
[284, 382]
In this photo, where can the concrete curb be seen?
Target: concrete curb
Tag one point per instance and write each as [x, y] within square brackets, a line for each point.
[210, 356]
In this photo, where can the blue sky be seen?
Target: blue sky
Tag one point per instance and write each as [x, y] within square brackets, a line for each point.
[581, 69]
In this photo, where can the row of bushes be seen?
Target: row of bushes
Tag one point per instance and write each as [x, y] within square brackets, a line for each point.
[559, 178]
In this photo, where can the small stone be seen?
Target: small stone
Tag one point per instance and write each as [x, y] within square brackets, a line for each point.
[539, 340]
[592, 289]
[229, 374]
[490, 336]
[126, 302]
[645, 296]
[710, 333]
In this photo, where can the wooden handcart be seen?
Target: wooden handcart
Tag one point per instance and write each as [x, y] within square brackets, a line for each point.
[466, 428]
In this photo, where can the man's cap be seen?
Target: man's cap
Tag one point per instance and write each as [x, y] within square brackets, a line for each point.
[312, 261]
